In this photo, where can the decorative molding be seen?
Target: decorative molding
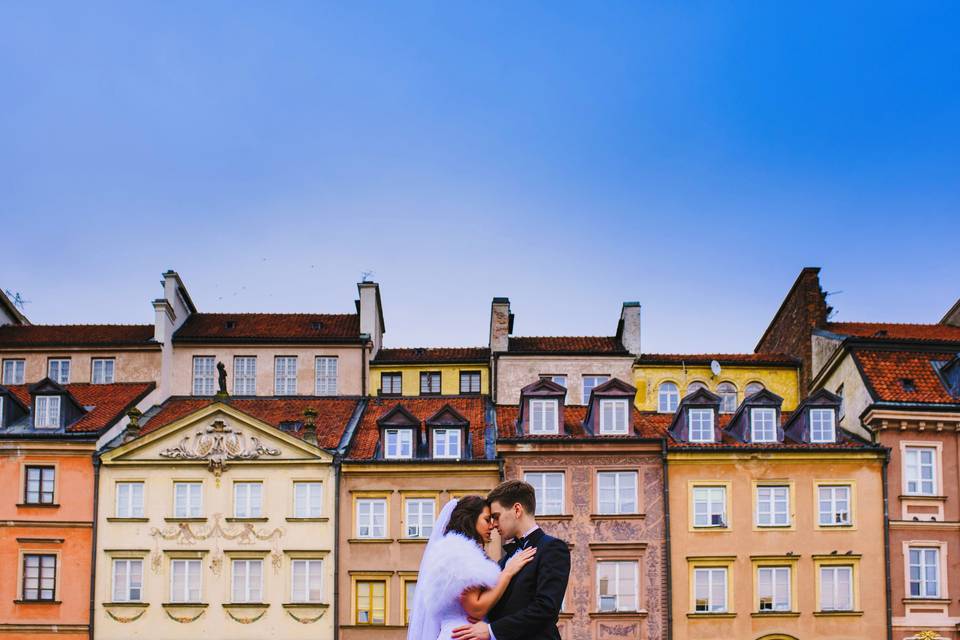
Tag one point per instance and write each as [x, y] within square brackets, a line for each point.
[219, 444]
[305, 619]
[243, 533]
[125, 619]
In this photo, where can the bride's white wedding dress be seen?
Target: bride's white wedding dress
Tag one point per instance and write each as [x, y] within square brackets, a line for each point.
[451, 564]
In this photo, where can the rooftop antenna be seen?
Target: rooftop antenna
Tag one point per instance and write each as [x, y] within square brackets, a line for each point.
[366, 275]
[16, 299]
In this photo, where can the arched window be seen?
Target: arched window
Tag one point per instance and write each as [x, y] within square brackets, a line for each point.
[668, 397]
[695, 386]
[728, 397]
[752, 388]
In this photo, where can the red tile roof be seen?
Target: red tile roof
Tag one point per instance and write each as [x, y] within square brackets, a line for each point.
[895, 331]
[779, 359]
[333, 414]
[890, 374]
[646, 424]
[269, 327]
[77, 335]
[105, 403]
[473, 408]
[430, 355]
[595, 345]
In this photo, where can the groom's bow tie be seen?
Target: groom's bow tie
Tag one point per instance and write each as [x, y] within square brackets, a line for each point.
[520, 542]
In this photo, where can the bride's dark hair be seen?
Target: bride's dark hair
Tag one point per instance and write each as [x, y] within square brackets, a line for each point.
[464, 518]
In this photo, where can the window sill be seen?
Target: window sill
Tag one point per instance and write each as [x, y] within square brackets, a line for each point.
[114, 519]
[617, 516]
[244, 605]
[556, 517]
[413, 540]
[927, 601]
[837, 614]
[184, 519]
[193, 605]
[257, 519]
[710, 528]
[642, 613]
[773, 527]
[37, 505]
[370, 540]
[305, 605]
[129, 603]
[320, 519]
[710, 616]
[775, 614]
[36, 602]
[922, 496]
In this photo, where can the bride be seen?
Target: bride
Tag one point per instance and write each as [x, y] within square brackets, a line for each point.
[457, 580]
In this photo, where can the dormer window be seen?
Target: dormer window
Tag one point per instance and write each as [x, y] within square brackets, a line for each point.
[822, 425]
[399, 443]
[48, 412]
[543, 416]
[446, 443]
[700, 423]
[613, 417]
[763, 425]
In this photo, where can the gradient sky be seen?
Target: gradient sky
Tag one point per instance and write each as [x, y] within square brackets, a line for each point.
[692, 156]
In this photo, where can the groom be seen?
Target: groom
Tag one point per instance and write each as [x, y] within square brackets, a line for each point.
[529, 608]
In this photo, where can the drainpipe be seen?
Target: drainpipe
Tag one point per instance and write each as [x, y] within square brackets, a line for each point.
[364, 372]
[666, 541]
[886, 546]
[336, 550]
[93, 550]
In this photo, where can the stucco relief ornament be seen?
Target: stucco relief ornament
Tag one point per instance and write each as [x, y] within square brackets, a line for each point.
[244, 533]
[218, 444]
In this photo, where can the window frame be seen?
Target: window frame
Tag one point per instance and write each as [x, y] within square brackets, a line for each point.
[391, 374]
[447, 432]
[725, 395]
[325, 377]
[372, 501]
[724, 569]
[252, 508]
[724, 488]
[370, 582]
[400, 433]
[937, 564]
[832, 501]
[201, 379]
[833, 424]
[103, 370]
[543, 403]
[758, 486]
[245, 377]
[471, 373]
[186, 563]
[46, 418]
[690, 423]
[429, 377]
[21, 370]
[540, 489]
[671, 398]
[128, 585]
[585, 392]
[616, 402]
[767, 411]
[618, 565]
[420, 524]
[758, 595]
[282, 377]
[41, 556]
[41, 469]
[617, 488]
[834, 568]
[130, 502]
[935, 465]
[308, 564]
[310, 486]
[247, 563]
[189, 507]
[60, 362]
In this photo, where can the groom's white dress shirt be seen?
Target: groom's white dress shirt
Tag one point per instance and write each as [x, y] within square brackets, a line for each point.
[515, 551]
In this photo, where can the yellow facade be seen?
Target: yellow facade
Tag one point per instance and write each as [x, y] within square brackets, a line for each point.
[410, 375]
[647, 378]
[226, 539]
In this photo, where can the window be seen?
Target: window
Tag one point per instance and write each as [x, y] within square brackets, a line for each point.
[409, 588]
[39, 485]
[247, 581]
[701, 425]
[924, 572]
[203, 368]
[187, 499]
[372, 518]
[184, 580]
[59, 370]
[710, 506]
[245, 376]
[48, 412]
[543, 416]
[13, 371]
[307, 581]
[446, 443]
[419, 517]
[613, 416]
[285, 375]
[247, 499]
[589, 382]
[821, 425]
[307, 499]
[399, 443]
[695, 386]
[728, 397]
[101, 370]
[127, 580]
[430, 383]
[371, 602]
[391, 384]
[752, 388]
[39, 577]
[617, 586]
[710, 590]
[548, 491]
[558, 379]
[668, 397]
[920, 468]
[469, 382]
[834, 505]
[836, 588]
[773, 506]
[763, 425]
[617, 492]
[326, 374]
[773, 588]
[129, 500]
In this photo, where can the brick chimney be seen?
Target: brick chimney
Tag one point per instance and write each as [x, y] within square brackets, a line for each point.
[501, 324]
[628, 329]
[132, 430]
[310, 426]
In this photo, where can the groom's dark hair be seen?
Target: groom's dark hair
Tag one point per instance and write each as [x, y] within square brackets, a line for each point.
[513, 491]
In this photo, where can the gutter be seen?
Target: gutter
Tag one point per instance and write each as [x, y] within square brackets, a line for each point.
[886, 547]
[340, 452]
[666, 543]
[93, 545]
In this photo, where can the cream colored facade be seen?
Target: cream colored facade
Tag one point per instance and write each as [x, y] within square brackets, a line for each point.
[215, 537]
[130, 365]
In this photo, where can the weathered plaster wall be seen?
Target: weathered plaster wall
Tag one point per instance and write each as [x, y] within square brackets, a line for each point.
[516, 372]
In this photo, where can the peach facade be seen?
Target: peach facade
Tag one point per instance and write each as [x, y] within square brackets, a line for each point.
[513, 372]
[130, 365]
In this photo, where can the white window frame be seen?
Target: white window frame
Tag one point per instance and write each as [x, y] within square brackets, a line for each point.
[244, 375]
[714, 499]
[821, 436]
[728, 399]
[924, 564]
[249, 586]
[621, 569]
[303, 499]
[779, 602]
[668, 397]
[444, 441]
[621, 489]
[759, 416]
[192, 489]
[99, 373]
[419, 517]
[375, 530]
[285, 380]
[596, 381]
[130, 505]
[48, 412]
[247, 499]
[700, 425]
[204, 368]
[620, 409]
[190, 567]
[395, 442]
[831, 597]
[311, 567]
[123, 586]
[829, 503]
[60, 377]
[326, 373]
[546, 485]
[543, 406]
[13, 370]
[770, 501]
[556, 379]
[709, 574]
[913, 471]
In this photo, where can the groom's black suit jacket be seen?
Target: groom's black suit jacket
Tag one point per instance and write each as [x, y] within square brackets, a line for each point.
[530, 607]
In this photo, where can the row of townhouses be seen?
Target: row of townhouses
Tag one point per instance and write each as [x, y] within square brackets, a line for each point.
[235, 475]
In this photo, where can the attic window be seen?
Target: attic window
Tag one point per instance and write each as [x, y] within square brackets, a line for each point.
[419, 351]
[230, 324]
[48, 412]
[290, 425]
[882, 333]
[316, 325]
[908, 384]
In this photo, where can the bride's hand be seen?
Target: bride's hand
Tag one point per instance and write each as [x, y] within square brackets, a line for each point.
[519, 561]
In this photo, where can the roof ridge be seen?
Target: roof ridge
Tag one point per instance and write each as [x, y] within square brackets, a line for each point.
[87, 324]
[270, 313]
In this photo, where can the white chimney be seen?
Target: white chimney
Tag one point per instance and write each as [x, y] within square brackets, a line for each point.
[371, 314]
[628, 330]
[170, 311]
[501, 325]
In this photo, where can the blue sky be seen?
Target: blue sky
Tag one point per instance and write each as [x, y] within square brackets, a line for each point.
[692, 156]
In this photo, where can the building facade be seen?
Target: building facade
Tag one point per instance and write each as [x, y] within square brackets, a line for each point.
[446, 371]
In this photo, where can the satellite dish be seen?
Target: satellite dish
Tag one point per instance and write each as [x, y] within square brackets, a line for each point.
[715, 367]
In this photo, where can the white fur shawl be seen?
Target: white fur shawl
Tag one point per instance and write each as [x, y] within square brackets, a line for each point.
[455, 564]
